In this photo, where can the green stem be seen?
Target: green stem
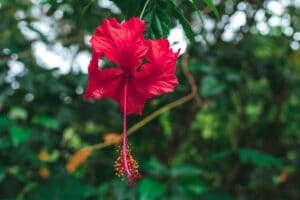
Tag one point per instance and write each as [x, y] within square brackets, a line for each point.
[144, 8]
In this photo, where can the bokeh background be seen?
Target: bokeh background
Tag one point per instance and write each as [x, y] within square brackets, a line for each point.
[238, 138]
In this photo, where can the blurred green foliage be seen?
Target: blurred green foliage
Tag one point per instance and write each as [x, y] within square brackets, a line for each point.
[240, 138]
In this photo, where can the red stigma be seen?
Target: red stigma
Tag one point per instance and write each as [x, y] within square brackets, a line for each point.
[127, 166]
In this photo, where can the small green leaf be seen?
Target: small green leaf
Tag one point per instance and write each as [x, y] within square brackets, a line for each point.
[47, 122]
[185, 170]
[17, 113]
[218, 156]
[210, 86]
[19, 135]
[159, 21]
[162, 23]
[193, 185]
[16, 172]
[212, 6]
[130, 7]
[258, 158]
[183, 21]
[153, 166]
[2, 176]
[53, 156]
[233, 77]
[150, 189]
[5, 122]
[166, 124]
[86, 7]
[119, 189]
[72, 188]
[103, 189]
[5, 142]
[71, 138]
[28, 187]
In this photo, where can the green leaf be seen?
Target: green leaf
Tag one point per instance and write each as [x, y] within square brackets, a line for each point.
[183, 21]
[28, 187]
[212, 6]
[210, 86]
[2, 172]
[16, 172]
[185, 170]
[103, 189]
[71, 138]
[120, 189]
[86, 7]
[258, 158]
[47, 122]
[130, 7]
[153, 166]
[159, 21]
[17, 113]
[5, 122]
[5, 142]
[166, 124]
[68, 188]
[193, 185]
[233, 77]
[162, 23]
[19, 135]
[207, 69]
[218, 156]
[150, 189]
[207, 123]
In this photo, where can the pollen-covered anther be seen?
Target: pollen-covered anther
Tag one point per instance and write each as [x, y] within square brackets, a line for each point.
[131, 171]
[118, 167]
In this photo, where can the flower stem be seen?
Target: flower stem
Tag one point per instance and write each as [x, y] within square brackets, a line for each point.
[144, 8]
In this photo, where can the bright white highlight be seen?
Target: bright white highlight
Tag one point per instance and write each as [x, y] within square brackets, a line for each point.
[177, 39]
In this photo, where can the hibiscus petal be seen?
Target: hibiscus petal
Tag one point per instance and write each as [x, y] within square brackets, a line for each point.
[121, 43]
[105, 83]
[158, 76]
[135, 100]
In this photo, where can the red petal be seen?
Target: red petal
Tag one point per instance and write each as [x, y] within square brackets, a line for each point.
[121, 43]
[135, 99]
[110, 83]
[158, 76]
[105, 83]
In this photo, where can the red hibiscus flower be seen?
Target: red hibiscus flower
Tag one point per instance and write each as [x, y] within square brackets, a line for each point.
[145, 68]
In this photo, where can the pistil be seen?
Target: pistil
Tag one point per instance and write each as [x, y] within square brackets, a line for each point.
[125, 165]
